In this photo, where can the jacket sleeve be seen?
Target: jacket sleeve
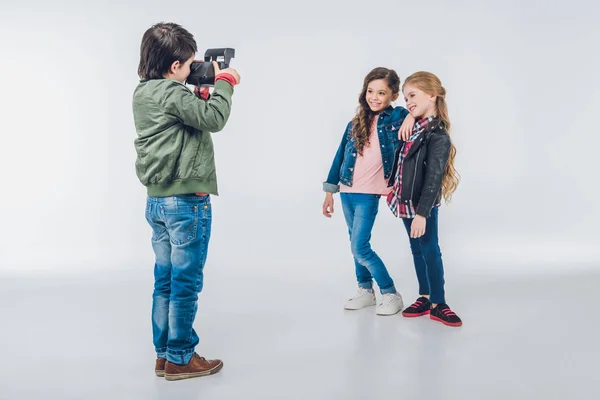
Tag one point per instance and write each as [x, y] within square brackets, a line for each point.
[205, 115]
[331, 185]
[402, 113]
[438, 152]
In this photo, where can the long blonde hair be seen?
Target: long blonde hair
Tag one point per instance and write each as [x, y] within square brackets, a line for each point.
[431, 84]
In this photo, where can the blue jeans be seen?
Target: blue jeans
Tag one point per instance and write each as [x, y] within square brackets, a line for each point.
[360, 211]
[428, 259]
[181, 228]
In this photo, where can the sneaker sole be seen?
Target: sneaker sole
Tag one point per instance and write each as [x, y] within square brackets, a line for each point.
[160, 374]
[178, 377]
[455, 324]
[388, 314]
[355, 309]
[413, 315]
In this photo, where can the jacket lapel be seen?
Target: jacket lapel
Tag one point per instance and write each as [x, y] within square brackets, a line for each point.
[418, 143]
[422, 137]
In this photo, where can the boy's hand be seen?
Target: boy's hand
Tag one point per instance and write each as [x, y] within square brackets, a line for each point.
[229, 71]
[202, 91]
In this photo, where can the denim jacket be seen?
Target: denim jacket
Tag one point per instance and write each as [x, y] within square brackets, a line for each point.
[342, 169]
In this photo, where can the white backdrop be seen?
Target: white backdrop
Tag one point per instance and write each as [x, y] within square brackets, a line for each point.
[522, 82]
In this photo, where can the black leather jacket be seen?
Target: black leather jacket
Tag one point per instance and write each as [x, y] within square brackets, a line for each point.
[423, 169]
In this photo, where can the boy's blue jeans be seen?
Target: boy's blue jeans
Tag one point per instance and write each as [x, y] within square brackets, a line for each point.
[181, 227]
[360, 211]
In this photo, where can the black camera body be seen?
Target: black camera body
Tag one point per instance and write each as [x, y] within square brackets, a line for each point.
[203, 73]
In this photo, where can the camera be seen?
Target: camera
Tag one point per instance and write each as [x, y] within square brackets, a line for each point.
[203, 73]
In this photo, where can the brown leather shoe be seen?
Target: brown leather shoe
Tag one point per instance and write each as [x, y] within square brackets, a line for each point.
[159, 369]
[198, 366]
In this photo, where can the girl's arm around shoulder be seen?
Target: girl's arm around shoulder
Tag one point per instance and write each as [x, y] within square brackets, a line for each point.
[407, 120]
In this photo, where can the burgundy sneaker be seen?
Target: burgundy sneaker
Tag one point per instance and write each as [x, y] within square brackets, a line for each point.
[159, 369]
[418, 308]
[198, 366]
[445, 315]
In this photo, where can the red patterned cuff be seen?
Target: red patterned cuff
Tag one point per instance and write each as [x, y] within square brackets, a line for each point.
[227, 78]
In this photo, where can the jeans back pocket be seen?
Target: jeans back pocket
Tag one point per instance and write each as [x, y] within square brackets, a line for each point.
[181, 220]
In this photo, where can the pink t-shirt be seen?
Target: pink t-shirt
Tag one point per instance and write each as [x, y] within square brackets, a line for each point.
[368, 171]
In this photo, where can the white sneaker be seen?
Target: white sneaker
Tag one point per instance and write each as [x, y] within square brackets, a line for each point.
[364, 298]
[390, 304]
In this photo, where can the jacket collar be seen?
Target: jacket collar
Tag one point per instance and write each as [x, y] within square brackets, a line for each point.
[388, 111]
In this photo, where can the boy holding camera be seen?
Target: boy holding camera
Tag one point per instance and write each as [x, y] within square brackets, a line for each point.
[175, 161]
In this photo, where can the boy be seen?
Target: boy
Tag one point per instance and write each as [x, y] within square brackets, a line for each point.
[175, 161]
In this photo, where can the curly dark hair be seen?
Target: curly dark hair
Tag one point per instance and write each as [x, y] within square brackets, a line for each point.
[361, 123]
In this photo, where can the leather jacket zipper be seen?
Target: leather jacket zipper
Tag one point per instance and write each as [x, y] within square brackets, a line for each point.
[415, 175]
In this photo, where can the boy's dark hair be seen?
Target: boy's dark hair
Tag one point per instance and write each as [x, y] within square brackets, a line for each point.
[162, 45]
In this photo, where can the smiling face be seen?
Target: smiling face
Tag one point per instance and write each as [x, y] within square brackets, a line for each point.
[418, 103]
[379, 96]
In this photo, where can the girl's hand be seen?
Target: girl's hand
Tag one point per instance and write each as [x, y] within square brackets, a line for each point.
[328, 205]
[417, 228]
[406, 128]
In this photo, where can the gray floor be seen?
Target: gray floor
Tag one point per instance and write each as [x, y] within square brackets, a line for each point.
[88, 337]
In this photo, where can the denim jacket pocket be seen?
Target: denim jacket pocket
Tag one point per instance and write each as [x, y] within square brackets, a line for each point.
[391, 131]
